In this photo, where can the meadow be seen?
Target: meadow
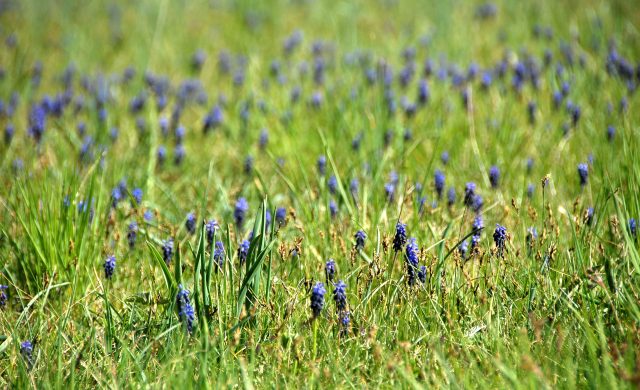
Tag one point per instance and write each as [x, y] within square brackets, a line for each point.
[319, 194]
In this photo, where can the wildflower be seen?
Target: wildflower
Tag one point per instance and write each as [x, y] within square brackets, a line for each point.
[451, 196]
[589, 216]
[439, 180]
[344, 321]
[340, 295]
[148, 215]
[243, 251]
[137, 196]
[213, 119]
[632, 227]
[332, 183]
[240, 212]
[354, 186]
[422, 274]
[412, 261]
[469, 193]
[167, 250]
[281, 215]
[210, 229]
[26, 350]
[218, 254]
[9, 130]
[500, 237]
[185, 309]
[3, 295]
[116, 196]
[444, 157]
[464, 249]
[478, 224]
[400, 239]
[360, 237]
[530, 189]
[178, 154]
[248, 165]
[330, 270]
[333, 208]
[494, 176]
[477, 203]
[190, 223]
[317, 299]
[37, 118]
[389, 191]
[109, 266]
[161, 155]
[583, 173]
[322, 165]
[132, 234]
[611, 132]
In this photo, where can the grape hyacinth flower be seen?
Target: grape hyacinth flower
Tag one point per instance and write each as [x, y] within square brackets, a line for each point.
[340, 295]
[611, 132]
[530, 190]
[167, 250]
[218, 255]
[469, 193]
[422, 274]
[500, 238]
[444, 157]
[185, 309]
[583, 173]
[400, 239]
[161, 155]
[360, 237]
[389, 191]
[333, 208]
[178, 154]
[243, 251]
[494, 176]
[210, 228]
[137, 196]
[240, 212]
[26, 350]
[477, 203]
[589, 216]
[317, 299]
[439, 181]
[412, 261]
[464, 249]
[332, 184]
[451, 196]
[633, 227]
[354, 186]
[3, 295]
[478, 224]
[190, 223]
[132, 234]
[322, 165]
[281, 216]
[344, 321]
[330, 270]
[109, 266]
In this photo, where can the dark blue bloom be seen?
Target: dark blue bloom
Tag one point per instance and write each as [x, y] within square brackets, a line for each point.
[213, 119]
[148, 215]
[332, 183]
[611, 132]
[322, 165]
[161, 154]
[330, 270]
[26, 350]
[167, 250]
[9, 130]
[530, 163]
[37, 118]
[633, 227]
[185, 309]
[317, 299]
[3, 295]
[248, 165]
[132, 234]
[218, 254]
[116, 196]
[344, 321]
[530, 190]
[412, 261]
[240, 212]
[178, 154]
[210, 228]
[400, 238]
[354, 186]
[360, 238]
[422, 274]
[494, 176]
[464, 249]
[444, 157]
[583, 173]
[478, 224]
[137, 196]
[500, 238]
[469, 193]
[340, 295]
[281, 215]
[243, 251]
[439, 180]
[190, 223]
[589, 216]
[109, 266]
[451, 196]
[264, 138]
[333, 208]
[477, 203]
[389, 191]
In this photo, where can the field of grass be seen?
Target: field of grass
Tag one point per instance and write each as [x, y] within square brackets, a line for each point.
[319, 194]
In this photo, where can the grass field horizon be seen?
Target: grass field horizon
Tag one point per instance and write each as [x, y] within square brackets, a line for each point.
[319, 194]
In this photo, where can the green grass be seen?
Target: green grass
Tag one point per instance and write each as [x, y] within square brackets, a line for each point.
[561, 313]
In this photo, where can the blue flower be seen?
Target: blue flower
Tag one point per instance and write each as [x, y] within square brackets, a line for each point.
[340, 295]
[360, 238]
[26, 350]
[317, 299]
[322, 165]
[132, 234]
[333, 208]
[218, 254]
[389, 191]
[444, 157]
[137, 196]
[530, 190]
[583, 173]
[477, 203]
[633, 227]
[240, 212]
[400, 238]
[611, 132]
[494, 176]
[210, 228]
[281, 216]
[478, 224]
[330, 270]
[422, 274]
[243, 251]
[439, 180]
[500, 238]
[332, 183]
[463, 248]
[109, 266]
[167, 250]
[185, 309]
[3, 295]
[190, 223]
[412, 261]
[451, 196]
[469, 193]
